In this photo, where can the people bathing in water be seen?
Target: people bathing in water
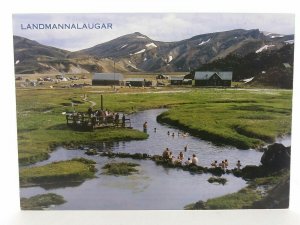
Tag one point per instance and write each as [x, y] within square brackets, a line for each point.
[238, 165]
[168, 132]
[222, 165]
[226, 163]
[185, 148]
[185, 134]
[181, 156]
[194, 159]
[145, 125]
[166, 154]
[155, 129]
[214, 164]
[188, 162]
[173, 134]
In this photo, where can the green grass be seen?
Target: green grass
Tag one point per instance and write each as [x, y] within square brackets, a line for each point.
[242, 199]
[249, 196]
[241, 118]
[244, 119]
[120, 169]
[67, 171]
[39, 202]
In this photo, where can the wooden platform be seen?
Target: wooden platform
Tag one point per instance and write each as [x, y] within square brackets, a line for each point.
[87, 121]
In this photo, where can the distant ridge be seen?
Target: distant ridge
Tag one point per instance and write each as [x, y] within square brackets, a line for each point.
[136, 52]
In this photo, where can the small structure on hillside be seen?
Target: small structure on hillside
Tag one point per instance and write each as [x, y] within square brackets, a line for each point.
[176, 80]
[162, 77]
[213, 78]
[187, 82]
[135, 82]
[107, 79]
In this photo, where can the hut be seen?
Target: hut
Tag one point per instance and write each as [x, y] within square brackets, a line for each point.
[162, 77]
[176, 80]
[135, 82]
[107, 79]
[213, 78]
[187, 81]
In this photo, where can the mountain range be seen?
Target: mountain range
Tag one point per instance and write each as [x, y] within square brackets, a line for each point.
[138, 53]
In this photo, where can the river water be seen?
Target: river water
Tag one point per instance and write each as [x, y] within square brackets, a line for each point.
[154, 187]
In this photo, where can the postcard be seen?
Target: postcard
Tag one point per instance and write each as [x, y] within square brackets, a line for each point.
[154, 111]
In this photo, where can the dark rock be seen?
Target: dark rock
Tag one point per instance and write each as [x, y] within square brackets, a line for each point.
[251, 172]
[218, 171]
[276, 157]
[199, 205]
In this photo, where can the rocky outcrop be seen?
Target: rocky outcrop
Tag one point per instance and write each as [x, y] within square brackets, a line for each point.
[276, 157]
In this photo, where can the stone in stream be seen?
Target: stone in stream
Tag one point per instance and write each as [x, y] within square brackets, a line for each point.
[91, 152]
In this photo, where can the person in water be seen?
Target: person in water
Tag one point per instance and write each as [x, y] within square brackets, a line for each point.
[195, 160]
[185, 134]
[145, 125]
[239, 165]
[188, 162]
[226, 163]
[166, 153]
[185, 148]
[214, 164]
[222, 165]
[168, 132]
[181, 156]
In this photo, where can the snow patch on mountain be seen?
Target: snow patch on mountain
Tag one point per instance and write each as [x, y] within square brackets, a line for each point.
[124, 46]
[289, 42]
[140, 37]
[266, 33]
[204, 42]
[170, 58]
[139, 52]
[151, 45]
[276, 36]
[131, 65]
[265, 47]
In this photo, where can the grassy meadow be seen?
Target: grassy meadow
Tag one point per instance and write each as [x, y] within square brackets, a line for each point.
[245, 118]
[241, 118]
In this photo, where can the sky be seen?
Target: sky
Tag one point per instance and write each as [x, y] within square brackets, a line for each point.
[157, 26]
